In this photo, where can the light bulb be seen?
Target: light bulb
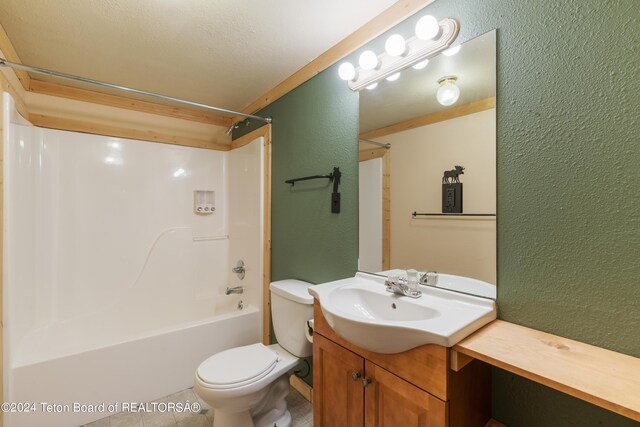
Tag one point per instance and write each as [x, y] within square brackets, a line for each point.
[452, 50]
[448, 93]
[395, 45]
[427, 28]
[373, 86]
[420, 65]
[368, 60]
[393, 77]
[347, 71]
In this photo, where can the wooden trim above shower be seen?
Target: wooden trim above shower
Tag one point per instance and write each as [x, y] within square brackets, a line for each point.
[84, 95]
[10, 54]
[265, 132]
[64, 91]
[440, 116]
[394, 14]
[62, 123]
[266, 265]
[65, 108]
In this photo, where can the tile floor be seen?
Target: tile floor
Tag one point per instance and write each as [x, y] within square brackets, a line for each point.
[299, 407]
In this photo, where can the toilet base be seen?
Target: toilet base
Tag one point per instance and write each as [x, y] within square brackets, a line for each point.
[226, 419]
[271, 411]
[243, 419]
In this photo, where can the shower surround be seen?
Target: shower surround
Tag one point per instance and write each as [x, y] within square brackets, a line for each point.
[113, 286]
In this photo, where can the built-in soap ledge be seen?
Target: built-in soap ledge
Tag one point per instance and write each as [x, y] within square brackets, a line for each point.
[605, 378]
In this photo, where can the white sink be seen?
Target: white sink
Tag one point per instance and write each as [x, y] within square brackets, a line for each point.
[360, 310]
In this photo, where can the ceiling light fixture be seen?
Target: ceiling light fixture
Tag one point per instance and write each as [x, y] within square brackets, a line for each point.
[396, 45]
[427, 28]
[393, 77]
[420, 65]
[347, 71]
[368, 60]
[448, 93]
[431, 38]
[452, 50]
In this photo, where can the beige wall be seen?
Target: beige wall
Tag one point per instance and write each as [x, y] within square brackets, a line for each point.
[419, 157]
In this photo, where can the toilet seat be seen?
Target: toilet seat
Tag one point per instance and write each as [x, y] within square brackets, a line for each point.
[237, 367]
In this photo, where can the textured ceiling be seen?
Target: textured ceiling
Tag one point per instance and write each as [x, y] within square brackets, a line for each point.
[226, 53]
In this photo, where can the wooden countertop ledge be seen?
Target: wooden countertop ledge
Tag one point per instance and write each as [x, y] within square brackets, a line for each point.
[605, 378]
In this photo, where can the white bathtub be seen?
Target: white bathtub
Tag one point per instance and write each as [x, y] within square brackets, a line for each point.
[113, 288]
[135, 370]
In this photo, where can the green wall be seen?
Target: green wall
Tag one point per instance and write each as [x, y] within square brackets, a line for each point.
[315, 128]
[568, 182]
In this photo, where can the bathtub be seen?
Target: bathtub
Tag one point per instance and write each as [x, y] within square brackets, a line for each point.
[113, 286]
[150, 366]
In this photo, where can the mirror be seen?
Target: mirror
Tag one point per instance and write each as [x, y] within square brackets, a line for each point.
[409, 206]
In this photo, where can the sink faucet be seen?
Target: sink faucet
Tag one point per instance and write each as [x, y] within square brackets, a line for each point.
[397, 285]
[430, 278]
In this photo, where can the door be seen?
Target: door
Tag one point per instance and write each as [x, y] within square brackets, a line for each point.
[370, 217]
[338, 394]
[392, 402]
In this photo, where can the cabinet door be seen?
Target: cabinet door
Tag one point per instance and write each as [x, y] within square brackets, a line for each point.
[393, 402]
[338, 394]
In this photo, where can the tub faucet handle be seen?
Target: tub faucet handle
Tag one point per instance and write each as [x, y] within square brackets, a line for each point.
[239, 269]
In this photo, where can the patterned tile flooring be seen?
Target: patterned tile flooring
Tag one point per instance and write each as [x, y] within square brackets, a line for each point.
[299, 407]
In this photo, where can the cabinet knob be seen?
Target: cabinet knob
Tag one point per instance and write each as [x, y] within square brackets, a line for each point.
[355, 376]
[366, 382]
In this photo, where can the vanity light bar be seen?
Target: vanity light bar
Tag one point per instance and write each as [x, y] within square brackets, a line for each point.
[418, 50]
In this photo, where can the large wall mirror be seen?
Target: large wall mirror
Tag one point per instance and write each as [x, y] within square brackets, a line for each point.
[410, 143]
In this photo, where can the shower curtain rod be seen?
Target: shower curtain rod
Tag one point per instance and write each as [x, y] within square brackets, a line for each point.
[380, 144]
[5, 63]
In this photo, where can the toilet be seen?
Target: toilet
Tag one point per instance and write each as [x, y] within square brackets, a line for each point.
[247, 386]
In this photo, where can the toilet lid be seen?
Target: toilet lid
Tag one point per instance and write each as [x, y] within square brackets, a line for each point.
[237, 366]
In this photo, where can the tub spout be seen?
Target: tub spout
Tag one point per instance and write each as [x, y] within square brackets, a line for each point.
[236, 290]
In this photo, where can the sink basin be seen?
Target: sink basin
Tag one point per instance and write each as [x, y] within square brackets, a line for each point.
[360, 310]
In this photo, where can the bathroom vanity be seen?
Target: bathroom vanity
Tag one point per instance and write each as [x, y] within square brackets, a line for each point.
[357, 387]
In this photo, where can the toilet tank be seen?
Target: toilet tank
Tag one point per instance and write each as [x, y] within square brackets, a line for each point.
[291, 307]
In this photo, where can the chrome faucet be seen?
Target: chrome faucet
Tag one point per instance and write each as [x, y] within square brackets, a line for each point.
[236, 290]
[239, 269]
[398, 285]
[430, 278]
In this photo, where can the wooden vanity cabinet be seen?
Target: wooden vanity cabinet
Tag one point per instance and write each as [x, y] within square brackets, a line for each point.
[337, 372]
[357, 388]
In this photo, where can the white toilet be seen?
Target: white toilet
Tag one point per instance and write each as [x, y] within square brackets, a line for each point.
[247, 386]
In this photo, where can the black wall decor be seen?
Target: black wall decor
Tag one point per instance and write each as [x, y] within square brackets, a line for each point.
[452, 190]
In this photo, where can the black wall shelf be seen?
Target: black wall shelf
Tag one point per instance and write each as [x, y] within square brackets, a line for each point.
[415, 214]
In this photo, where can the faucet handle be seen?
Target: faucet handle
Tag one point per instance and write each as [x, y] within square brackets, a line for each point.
[392, 279]
[430, 278]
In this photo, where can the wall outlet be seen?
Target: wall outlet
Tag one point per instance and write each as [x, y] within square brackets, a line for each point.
[335, 202]
[452, 198]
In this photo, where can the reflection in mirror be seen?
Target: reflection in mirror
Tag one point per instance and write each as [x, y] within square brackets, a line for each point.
[424, 138]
